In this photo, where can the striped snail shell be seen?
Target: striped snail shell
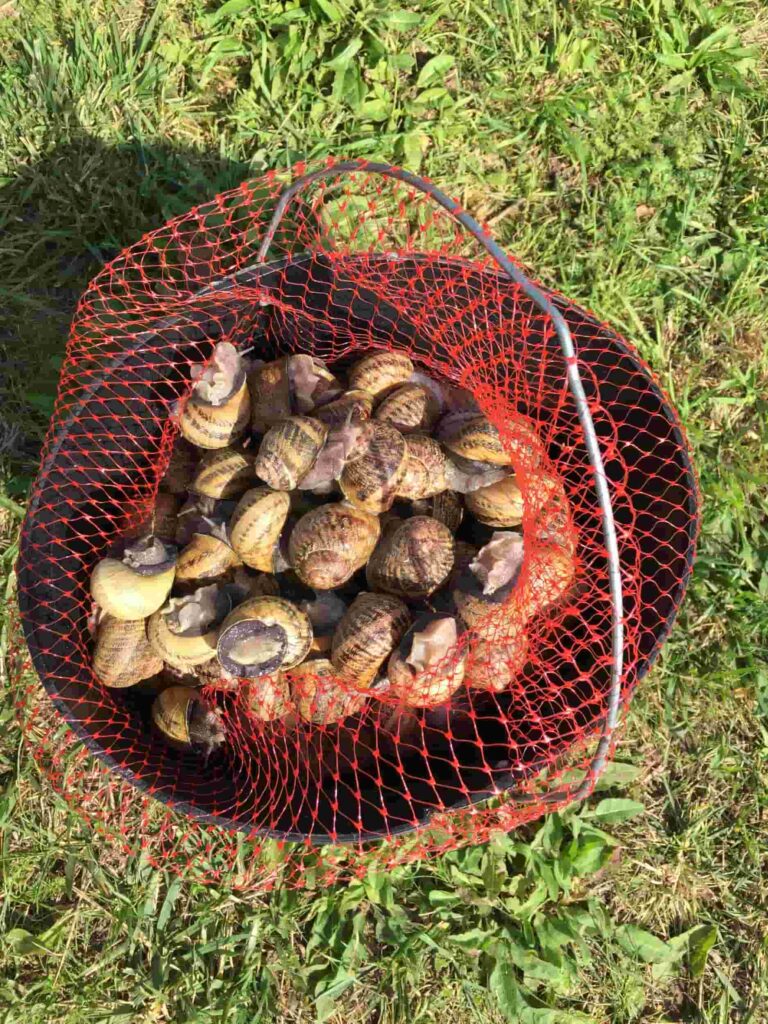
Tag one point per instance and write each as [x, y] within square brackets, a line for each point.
[365, 636]
[409, 408]
[136, 585]
[446, 507]
[208, 556]
[494, 664]
[328, 545]
[263, 635]
[318, 696]
[498, 504]
[185, 632]
[379, 372]
[122, 655]
[223, 473]
[270, 389]
[219, 408]
[256, 525]
[424, 469]
[185, 720]
[413, 560]
[352, 407]
[288, 451]
[426, 669]
[267, 699]
[373, 473]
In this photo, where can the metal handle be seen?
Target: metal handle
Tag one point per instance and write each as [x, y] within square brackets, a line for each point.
[575, 386]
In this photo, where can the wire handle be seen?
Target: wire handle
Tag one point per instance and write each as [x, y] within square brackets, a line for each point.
[575, 386]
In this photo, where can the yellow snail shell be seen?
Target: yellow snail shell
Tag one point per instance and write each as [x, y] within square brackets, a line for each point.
[129, 592]
[551, 572]
[318, 696]
[122, 655]
[424, 470]
[424, 670]
[379, 372]
[372, 475]
[413, 560]
[267, 698]
[499, 504]
[185, 632]
[263, 635]
[183, 718]
[218, 410]
[409, 408]
[256, 524]
[288, 451]
[223, 473]
[366, 635]
[270, 389]
[328, 545]
[351, 407]
[474, 438]
[205, 558]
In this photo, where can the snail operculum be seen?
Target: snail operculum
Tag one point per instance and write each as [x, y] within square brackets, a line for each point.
[136, 585]
[263, 635]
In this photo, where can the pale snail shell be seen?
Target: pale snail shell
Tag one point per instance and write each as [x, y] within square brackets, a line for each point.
[446, 507]
[223, 473]
[352, 407]
[426, 669]
[218, 410]
[371, 476]
[270, 389]
[424, 470]
[409, 408]
[184, 719]
[499, 504]
[134, 591]
[328, 545]
[267, 698]
[380, 372]
[181, 468]
[365, 636]
[413, 560]
[185, 632]
[494, 665]
[288, 451]
[318, 696]
[263, 635]
[206, 557]
[122, 655]
[256, 524]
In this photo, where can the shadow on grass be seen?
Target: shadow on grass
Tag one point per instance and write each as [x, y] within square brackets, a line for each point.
[61, 219]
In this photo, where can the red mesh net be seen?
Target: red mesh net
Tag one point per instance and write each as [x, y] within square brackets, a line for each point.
[359, 263]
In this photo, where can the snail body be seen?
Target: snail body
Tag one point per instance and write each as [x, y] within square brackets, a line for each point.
[312, 383]
[425, 669]
[137, 585]
[256, 524]
[352, 407]
[185, 632]
[223, 473]
[122, 655]
[379, 372]
[365, 636]
[185, 720]
[288, 451]
[412, 560]
[263, 635]
[372, 475]
[329, 544]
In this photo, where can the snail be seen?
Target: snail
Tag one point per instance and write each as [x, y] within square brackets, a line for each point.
[445, 507]
[223, 473]
[136, 585]
[208, 556]
[184, 633]
[424, 469]
[288, 450]
[365, 636]
[493, 665]
[341, 444]
[162, 521]
[551, 574]
[181, 468]
[328, 545]
[122, 655]
[242, 582]
[268, 698]
[262, 635]
[270, 389]
[325, 611]
[256, 524]
[467, 475]
[372, 474]
[413, 560]
[425, 670]
[312, 383]
[499, 504]
[219, 408]
[409, 408]
[199, 514]
[476, 438]
[185, 720]
[379, 372]
[352, 407]
[489, 579]
[318, 696]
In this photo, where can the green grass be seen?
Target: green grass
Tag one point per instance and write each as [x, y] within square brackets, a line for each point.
[618, 148]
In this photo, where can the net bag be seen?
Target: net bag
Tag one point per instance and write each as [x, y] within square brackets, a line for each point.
[349, 259]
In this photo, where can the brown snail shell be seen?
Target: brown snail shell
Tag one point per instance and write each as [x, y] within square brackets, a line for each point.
[256, 524]
[134, 591]
[223, 473]
[288, 450]
[499, 504]
[268, 698]
[328, 545]
[318, 696]
[445, 507]
[263, 635]
[270, 389]
[352, 407]
[181, 468]
[494, 664]
[366, 635]
[185, 632]
[425, 669]
[409, 408]
[413, 560]
[372, 476]
[122, 655]
[219, 408]
[206, 557]
[424, 470]
[379, 372]
[184, 720]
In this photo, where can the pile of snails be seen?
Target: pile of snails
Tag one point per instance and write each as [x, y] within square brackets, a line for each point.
[318, 542]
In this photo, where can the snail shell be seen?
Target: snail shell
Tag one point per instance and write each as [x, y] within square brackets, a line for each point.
[205, 558]
[489, 580]
[162, 520]
[122, 655]
[256, 524]
[183, 718]
[181, 468]
[318, 696]
[413, 560]
[202, 515]
[424, 670]
[372, 475]
[184, 633]
[329, 544]
[366, 635]
[223, 473]
[379, 372]
[474, 438]
[493, 665]
[551, 573]
[219, 408]
[268, 698]
[445, 507]
[263, 635]
[353, 407]
[288, 450]
[127, 591]
[499, 504]
[270, 388]
[243, 583]
[424, 470]
[409, 408]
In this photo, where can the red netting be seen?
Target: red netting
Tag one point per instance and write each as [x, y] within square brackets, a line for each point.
[359, 263]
